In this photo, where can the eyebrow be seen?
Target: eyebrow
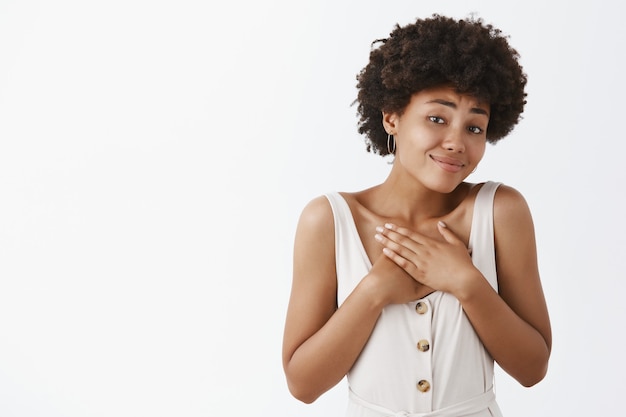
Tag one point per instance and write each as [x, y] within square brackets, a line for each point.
[475, 110]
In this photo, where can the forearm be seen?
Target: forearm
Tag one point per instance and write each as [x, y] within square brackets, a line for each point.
[324, 359]
[519, 348]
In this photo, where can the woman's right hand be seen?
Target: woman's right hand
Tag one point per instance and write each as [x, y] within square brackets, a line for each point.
[392, 284]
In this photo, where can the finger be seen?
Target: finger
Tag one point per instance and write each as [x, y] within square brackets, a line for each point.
[405, 247]
[402, 262]
[402, 234]
[395, 240]
[448, 234]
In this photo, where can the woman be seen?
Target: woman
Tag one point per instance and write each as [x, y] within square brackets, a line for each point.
[412, 288]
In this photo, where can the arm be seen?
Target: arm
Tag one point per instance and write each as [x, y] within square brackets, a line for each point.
[321, 342]
[513, 324]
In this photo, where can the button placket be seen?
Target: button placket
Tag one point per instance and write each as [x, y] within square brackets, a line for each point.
[423, 350]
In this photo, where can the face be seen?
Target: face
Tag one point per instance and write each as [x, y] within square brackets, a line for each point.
[440, 137]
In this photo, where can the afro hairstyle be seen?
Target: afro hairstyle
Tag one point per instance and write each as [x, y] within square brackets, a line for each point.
[472, 57]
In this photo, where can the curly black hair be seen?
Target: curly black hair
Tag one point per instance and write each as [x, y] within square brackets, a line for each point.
[473, 57]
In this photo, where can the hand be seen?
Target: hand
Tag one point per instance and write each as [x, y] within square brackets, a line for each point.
[443, 265]
[393, 283]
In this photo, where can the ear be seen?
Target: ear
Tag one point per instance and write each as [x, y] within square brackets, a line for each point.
[390, 122]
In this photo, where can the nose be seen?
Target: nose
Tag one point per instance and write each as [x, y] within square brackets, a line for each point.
[454, 141]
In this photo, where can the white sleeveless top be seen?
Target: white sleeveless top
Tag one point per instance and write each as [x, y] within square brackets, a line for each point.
[423, 358]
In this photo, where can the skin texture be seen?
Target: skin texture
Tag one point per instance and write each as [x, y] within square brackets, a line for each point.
[415, 228]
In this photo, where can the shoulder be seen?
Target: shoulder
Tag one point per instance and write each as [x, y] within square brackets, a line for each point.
[316, 214]
[314, 249]
[509, 206]
[512, 222]
[316, 226]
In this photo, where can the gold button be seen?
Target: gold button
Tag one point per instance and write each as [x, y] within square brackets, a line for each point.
[423, 385]
[421, 307]
[423, 345]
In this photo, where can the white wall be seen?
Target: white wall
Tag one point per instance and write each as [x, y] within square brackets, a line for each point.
[155, 156]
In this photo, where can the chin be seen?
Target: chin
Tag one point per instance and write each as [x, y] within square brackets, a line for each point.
[445, 186]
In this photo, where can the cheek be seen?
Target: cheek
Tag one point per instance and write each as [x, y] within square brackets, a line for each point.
[478, 151]
[417, 139]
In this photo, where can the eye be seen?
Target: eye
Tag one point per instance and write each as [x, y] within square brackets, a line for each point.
[436, 119]
[475, 129]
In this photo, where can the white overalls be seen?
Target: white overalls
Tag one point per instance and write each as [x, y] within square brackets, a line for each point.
[423, 359]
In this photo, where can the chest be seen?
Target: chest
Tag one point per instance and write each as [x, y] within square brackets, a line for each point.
[459, 221]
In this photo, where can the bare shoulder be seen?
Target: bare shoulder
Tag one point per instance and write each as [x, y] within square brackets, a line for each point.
[516, 252]
[316, 217]
[314, 248]
[510, 208]
[505, 194]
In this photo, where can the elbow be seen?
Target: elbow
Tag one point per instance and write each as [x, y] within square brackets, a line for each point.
[301, 388]
[534, 368]
[531, 382]
[302, 393]
[534, 377]
[306, 384]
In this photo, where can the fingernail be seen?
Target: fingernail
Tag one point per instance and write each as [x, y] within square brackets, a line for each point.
[389, 225]
[378, 237]
[442, 224]
[379, 229]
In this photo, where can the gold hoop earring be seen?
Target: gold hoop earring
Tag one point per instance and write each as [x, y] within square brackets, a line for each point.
[391, 145]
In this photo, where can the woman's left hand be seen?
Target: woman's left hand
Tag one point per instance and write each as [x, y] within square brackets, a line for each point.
[442, 265]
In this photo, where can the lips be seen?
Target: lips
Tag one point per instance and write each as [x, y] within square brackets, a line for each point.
[448, 164]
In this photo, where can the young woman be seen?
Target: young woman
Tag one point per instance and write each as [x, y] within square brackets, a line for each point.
[412, 288]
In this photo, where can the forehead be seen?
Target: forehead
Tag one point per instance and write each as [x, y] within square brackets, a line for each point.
[451, 96]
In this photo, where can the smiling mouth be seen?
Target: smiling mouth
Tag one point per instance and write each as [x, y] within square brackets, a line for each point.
[448, 164]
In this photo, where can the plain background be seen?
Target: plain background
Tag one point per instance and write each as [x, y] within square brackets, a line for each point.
[155, 157]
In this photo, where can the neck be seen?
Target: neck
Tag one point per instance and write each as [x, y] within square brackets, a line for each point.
[412, 202]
